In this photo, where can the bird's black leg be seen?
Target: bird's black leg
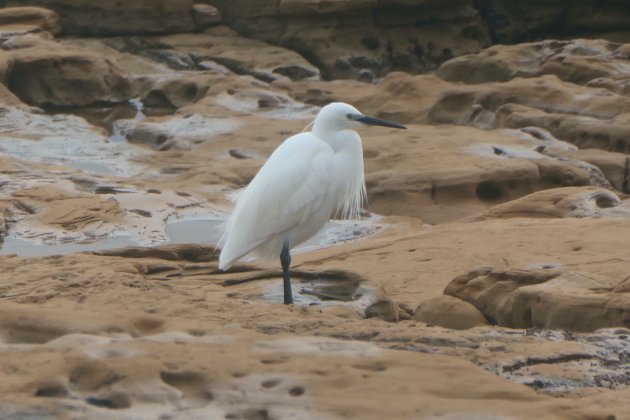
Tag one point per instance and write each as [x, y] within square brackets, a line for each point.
[285, 260]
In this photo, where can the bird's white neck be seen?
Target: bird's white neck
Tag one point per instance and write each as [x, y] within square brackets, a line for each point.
[338, 139]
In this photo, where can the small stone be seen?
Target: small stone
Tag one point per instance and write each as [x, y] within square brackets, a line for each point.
[206, 15]
[450, 312]
[365, 75]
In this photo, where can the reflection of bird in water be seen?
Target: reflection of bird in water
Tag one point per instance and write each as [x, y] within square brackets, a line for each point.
[308, 178]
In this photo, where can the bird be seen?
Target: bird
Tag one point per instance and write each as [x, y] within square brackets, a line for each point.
[309, 178]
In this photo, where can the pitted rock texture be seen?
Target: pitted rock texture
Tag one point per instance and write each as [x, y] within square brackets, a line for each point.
[110, 17]
[50, 75]
[543, 298]
[582, 61]
[119, 153]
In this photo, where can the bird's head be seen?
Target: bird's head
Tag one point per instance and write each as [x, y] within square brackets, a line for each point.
[341, 116]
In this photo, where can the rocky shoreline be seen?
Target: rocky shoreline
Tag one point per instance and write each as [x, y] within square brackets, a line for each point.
[488, 278]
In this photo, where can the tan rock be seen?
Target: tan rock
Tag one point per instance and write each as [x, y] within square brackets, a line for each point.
[49, 74]
[247, 56]
[224, 47]
[171, 300]
[85, 17]
[543, 298]
[412, 262]
[518, 23]
[233, 9]
[28, 19]
[346, 38]
[166, 133]
[584, 116]
[8, 97]
[206, 15]
[408, 173]
[475, 168]
[69, 211]
[590, 132]
[176, 93]
[612, 164]
[578, 61]
[427, 99]
[560, 202]
[309, 7]
[151, 365]
[449, 312]
[384, 35]
[143, 69]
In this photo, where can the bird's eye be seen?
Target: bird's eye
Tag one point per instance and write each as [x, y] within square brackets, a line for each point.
[349, 116]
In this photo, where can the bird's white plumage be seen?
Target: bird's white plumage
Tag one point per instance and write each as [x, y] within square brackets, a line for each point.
[309, 177]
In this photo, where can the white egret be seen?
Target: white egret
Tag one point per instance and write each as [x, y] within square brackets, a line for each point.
[306, 180]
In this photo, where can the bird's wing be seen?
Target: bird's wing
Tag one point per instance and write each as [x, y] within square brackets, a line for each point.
[285, 193]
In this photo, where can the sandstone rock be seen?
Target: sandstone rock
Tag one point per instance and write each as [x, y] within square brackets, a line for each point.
[142, 72]
[310, 7]
[427, 99]
[491, 167]
[408, 173]
[223, 46]
[410, 259]
[578, 61]
[623, 286]
[542, 298]
[233, 9]
[584, 116]
[110, 17]
[365, 75]
[166, 133]
[206, 15]
[344, 37]
[59, 210]
[29, 135]
[181, 252]
[450, 312]
[157, 139]
[243, 56]
[176, 93]
[512, 23]
[586, 132]
[471, 161]
[86, 211]
[373, 39]
[559, 202]
[8, 97]
[611, 164]
[371, 303]
[546, 94]
[51, 75]
[238, 382]
[28, 19]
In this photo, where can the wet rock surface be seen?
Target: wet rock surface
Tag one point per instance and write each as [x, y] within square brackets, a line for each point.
[491, 260]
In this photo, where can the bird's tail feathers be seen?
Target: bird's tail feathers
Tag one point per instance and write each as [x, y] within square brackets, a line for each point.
[232, 252]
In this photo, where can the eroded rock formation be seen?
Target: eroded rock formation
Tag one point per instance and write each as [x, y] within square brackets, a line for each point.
[495, 233]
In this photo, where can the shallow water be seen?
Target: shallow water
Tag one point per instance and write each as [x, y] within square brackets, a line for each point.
[30, 249]
[78, 138]
[205, 231]
[105, 115]
[65, 139]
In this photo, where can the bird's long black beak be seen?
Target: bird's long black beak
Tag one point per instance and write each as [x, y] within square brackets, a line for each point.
[374, 121]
